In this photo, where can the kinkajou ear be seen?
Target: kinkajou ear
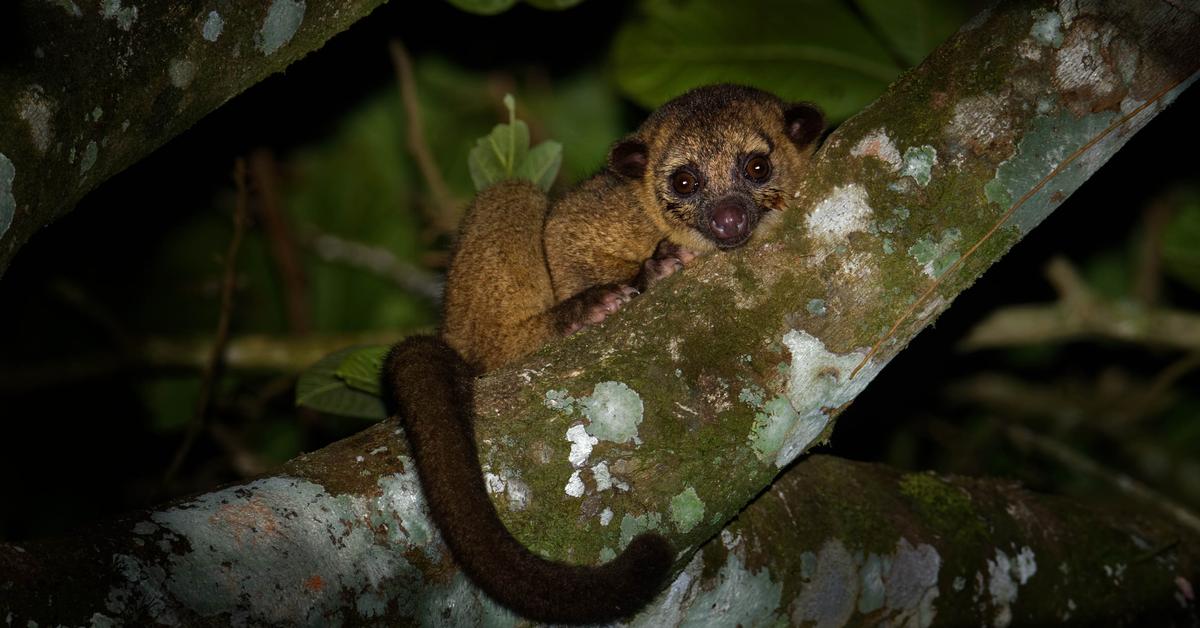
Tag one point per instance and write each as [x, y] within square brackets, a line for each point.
[803, 123]
[628, 158]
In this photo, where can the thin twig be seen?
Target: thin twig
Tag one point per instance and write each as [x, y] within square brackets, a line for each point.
[1148, 280]
[380, 261]
[1072, 459]
[1167, 378]
[446, 208]
[281, 244]
[212, 369]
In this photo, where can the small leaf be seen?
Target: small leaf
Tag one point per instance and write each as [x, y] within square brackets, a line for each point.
[542, 164]
[321, 388]
[360, 370]
[496, 156]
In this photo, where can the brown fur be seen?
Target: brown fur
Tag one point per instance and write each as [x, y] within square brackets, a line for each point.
[526, 272]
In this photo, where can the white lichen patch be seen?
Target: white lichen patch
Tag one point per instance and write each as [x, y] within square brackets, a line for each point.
[843, 212]
[37, 110]
[574, 487]
[606, 516]
[602, 476]
[1005, 577]
[90, 154]
[1083, 62]
[581, 445]
[509, 484]
[213, 25]
[8, 201]
[1047, 28]
[879, 145]
[687, 509]
[225, 560]
[978, 123]
[838, 583]
[614, 412]
[124, 16]
[919, 162]
[181, 72]
[283, 20]
[818, 382]
[733, 596]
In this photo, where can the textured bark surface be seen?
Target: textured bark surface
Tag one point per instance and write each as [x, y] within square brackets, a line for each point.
[680, 409]
[88, 88]
[916, 549]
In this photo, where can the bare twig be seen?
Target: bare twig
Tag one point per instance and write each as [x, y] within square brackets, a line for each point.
[213, 366]
[380, 261]
[1074, 460]
[250, 352]
[281, 243]
[1167, 378]
[1148, 281]
[1078, 314]
[446, 209]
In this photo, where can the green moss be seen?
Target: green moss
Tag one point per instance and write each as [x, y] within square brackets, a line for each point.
[943, 506]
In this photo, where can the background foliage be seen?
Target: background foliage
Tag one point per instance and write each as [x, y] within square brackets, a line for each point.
[101, 318]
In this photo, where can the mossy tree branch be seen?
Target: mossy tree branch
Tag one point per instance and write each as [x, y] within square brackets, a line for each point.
[679, 410]
[89, 88]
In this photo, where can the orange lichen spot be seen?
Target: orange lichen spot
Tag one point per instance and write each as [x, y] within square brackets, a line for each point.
[253, 519]
[314, 584]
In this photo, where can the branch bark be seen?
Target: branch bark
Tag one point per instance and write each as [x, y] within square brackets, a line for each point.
[679, 410]
[86, 92]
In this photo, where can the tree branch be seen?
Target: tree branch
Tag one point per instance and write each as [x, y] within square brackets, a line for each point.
[680, 409]
[85, 93]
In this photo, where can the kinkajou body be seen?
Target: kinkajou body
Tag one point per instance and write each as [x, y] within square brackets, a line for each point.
[705, 172]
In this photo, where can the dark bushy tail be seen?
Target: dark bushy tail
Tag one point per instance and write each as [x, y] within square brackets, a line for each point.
[431, 388]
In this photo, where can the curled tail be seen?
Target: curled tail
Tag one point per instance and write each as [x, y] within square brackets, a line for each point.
[430, 386]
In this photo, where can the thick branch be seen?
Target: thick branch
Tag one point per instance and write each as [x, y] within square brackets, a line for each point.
[680, 409]
[89, 88]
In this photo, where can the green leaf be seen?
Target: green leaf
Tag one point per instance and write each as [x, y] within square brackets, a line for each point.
[360, 369]
[815, 50]
[321, 388]
[913, 28]
[496, 156]
[484, 7]
[1181, 241]
[553, 5]
[542, 164]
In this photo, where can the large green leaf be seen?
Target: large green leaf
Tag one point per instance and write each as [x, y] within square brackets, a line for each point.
[360, 369]
[914, 27]
[492, 7]
[1181, 242]
[814, 50]
[322, 387]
